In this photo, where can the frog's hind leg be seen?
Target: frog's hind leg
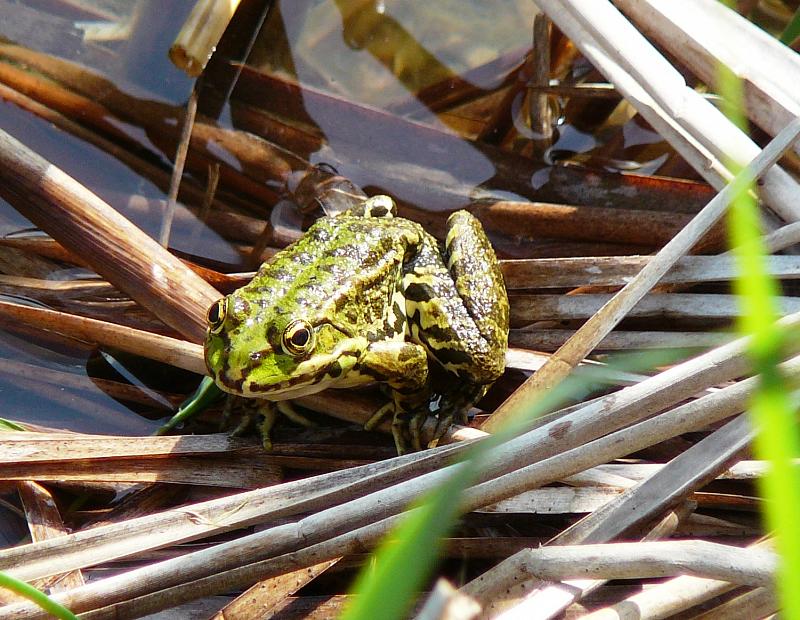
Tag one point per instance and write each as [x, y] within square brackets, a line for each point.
[403, 366]
[457, 309]
[456, 406]
[476, 272]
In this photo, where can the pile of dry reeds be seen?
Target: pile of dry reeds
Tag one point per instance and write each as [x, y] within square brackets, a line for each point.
[594, 262]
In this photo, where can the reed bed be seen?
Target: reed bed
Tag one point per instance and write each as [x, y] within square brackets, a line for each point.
[635, 485]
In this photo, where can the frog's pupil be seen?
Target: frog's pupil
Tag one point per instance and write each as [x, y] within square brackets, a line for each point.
[215, 313]
[300, 337]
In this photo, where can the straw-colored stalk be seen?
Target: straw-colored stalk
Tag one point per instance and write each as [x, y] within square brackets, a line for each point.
[200, 34]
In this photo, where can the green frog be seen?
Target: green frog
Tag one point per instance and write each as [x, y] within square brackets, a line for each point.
[366, 296]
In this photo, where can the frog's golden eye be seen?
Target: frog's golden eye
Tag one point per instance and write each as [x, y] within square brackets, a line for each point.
[216, 315]
[298, 338]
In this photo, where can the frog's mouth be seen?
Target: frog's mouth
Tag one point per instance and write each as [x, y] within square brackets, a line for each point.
[281, 378]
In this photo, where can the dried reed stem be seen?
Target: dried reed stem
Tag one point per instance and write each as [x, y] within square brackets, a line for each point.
[699, 558]
[114, 247]
[599, 325]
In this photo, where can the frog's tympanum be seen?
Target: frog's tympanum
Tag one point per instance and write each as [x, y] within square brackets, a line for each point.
[368, 297]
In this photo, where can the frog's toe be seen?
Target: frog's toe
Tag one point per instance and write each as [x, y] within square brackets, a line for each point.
[269, 412]
[399, 428]
[445, 421]
[288, 410]
[415, 429]
[378, 416]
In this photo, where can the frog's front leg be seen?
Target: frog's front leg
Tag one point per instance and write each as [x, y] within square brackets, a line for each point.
[270, 411]
[403, 366]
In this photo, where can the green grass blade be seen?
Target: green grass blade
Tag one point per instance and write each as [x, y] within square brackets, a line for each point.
[792, 30]
[37, 597]
[10, 425]
[771, 409]
[408, 556]
[205, 394]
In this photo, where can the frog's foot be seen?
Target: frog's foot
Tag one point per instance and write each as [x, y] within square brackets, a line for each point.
[415, 429]
[404, 365]
[445, 421]
[287, 409]
[456, 407]
[401, 430]
[269, 415]
[271, 411]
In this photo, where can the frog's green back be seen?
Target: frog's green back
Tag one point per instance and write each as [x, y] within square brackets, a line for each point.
[334, 273]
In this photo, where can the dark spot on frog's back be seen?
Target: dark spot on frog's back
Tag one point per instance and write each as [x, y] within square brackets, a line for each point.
[417, 291]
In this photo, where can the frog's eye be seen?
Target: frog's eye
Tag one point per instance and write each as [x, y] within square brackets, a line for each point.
[298, 338]
[216, 315]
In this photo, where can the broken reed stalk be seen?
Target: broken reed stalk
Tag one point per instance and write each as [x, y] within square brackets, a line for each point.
[44, 523]
[178, 353]
[698, 33]
[507, 473]
[531, 308]
[267, 594]
[691, 124]
[532, 273]
[637, 560]
[552, 339]
[114, 247]
[639, 503]
[446, 603]
[20, 447]
[200, 34]
[593, 331]
[177, 169]
[545, 220]
[666, 599]
[755, 603]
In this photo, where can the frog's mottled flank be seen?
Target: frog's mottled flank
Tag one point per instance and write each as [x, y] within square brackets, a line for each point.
[363, 297]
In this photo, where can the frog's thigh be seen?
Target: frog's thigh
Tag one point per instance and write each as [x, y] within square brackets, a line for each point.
[438, 319]
[476, 272]
[403, 365]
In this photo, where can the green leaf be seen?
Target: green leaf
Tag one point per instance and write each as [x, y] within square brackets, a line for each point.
[771, 408]
[792, 30]
[205, 394]
[10, 425]
[39, 598]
